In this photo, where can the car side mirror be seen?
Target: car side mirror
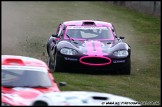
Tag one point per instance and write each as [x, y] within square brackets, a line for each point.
[62, 84]
[121, 37]
[54, 35]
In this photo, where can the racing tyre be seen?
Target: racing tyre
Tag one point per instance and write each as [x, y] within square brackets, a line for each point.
[57, 65]
[51, 60]
[50, 64]
[126, 70]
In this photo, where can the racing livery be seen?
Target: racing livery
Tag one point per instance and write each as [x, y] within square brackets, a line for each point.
[23, 79]
[82, 98]
[88, 45]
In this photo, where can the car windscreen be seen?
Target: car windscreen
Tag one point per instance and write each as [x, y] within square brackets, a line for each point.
[77, 32]
[24, 78]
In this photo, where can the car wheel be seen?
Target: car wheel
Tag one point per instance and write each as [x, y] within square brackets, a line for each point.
[57, 66]
[51, 60]
[126, 70]
[50, 65]
[40, 103]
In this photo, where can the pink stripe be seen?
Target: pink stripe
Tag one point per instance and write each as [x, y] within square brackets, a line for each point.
[98, 48]
[89, 47]
[95, 49]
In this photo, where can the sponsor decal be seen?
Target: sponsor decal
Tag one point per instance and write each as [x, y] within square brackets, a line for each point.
[86, 27]
[118, 61]
[71, 59]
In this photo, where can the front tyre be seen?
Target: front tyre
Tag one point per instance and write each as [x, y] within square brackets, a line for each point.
[51, 59]
[57, 66]
[126, 70]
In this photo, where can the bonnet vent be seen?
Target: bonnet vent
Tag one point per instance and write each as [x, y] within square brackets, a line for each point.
[88, 23]
[13, 61]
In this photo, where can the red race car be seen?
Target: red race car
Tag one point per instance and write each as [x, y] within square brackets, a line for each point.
[23, 79]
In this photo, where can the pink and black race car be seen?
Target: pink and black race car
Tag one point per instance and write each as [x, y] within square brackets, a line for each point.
[88, 45]
[23, 79]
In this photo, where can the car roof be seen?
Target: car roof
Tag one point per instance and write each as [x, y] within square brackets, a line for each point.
[16, 60]
[87, 22]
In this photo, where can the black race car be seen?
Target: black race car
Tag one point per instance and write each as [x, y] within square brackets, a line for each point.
[88, 45]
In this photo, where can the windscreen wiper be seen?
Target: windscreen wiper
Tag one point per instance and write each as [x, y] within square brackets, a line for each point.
[69, 37]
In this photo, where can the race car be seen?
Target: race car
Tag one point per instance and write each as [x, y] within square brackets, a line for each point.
[23, 79]
[88, 45]
[82, 98]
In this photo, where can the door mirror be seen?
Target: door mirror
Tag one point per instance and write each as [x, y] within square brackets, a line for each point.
[54, 35]
[121, 37]
[62, 84]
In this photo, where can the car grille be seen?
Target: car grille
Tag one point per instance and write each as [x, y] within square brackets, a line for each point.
[95, 60]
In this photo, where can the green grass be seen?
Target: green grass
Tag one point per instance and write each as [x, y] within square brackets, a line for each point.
[142, 32]
[144, 82]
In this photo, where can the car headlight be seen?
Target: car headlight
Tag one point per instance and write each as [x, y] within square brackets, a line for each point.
[5, 104]
[68, 51]
[121, 53]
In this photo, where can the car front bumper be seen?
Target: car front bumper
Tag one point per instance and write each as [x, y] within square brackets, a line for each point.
[76, 62]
